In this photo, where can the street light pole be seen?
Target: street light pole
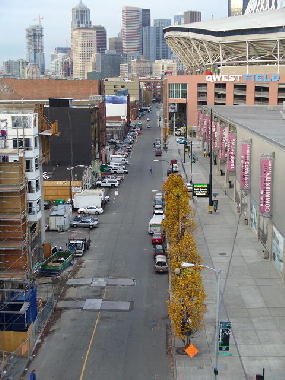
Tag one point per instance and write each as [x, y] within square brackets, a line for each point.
[217, 327]
[211, 164]
[191, 157]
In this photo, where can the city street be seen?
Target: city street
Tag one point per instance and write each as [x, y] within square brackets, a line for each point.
[114, 345]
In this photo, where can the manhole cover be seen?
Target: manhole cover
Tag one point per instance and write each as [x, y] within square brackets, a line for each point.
[223, 253]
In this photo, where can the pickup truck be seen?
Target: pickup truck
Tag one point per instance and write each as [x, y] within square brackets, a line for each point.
[78, 244]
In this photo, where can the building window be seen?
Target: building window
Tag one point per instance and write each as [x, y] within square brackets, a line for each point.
[202, 94]
[36, 163]
[281, 93]
[22, 143]
[261, 95]
[37, 185]
[31, 188]
[220, 94]
[36, 142]
[29, 165]
[30, 208]
[239, 94]
[178, 90]
[21, 122]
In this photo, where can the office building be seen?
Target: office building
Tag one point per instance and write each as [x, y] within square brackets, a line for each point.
[35, 46]
[149, 43]
[103, 65]
[162, 49]
[145, 17]
[101, 38]
[61, 62]
[163, 67]
[132, 29]
[192, 16]
[141, 68]
[84, 45]
[179, 19]
[80, 17]
[15, 68]
[116, 44]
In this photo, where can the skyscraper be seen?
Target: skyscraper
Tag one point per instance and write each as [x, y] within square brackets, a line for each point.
[101, 38]
[35, 46]
[132, 29]
[115, 43]
[149, 42]
[179, 19]
[162, 49]
[192, 16]
[80, 17]
[83, 47]
[145, 17]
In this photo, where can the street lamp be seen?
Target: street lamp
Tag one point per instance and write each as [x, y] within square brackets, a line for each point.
[218, 278]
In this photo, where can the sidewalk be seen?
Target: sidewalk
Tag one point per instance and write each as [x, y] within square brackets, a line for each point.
[253, 294]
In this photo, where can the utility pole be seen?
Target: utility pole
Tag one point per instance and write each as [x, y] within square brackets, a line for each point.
[211, 165]
[191, 157]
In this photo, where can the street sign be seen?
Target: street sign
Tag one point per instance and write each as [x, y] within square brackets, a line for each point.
[191, 350]
[224, 336]
[201, 189]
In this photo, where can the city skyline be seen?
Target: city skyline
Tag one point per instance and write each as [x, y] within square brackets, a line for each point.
[57, 20]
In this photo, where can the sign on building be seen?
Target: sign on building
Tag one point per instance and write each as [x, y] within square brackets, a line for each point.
[245, 165]
[266, 164]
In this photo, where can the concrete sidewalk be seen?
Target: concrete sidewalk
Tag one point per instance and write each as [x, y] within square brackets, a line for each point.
[253, 294]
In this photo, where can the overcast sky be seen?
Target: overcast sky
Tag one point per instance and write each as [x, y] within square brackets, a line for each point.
[16, 15]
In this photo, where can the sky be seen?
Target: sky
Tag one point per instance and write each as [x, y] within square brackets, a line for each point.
[17, 15]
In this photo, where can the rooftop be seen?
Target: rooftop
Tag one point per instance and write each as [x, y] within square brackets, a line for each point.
[265, 121]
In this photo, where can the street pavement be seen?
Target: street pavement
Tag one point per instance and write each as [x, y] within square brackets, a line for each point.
[115, 345]
[253, 294]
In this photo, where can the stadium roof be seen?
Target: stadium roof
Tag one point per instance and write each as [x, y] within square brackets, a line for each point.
[257, 38]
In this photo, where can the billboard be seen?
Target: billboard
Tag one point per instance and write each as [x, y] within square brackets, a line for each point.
[245, 165]
[116, 105]
[266, 163]
[231, 160]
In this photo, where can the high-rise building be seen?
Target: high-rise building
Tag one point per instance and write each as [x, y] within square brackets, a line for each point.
[132, 29]
[254, 6]
[162, 49]
[101, 38]
[149, 43]
[15, 68]
[35, 46]
[237, 7]
[179, 19]
[115, 44]
[192, 16]
[80, 17]
[84, 45]
[104, 65]
[145, 17]
[61, 62]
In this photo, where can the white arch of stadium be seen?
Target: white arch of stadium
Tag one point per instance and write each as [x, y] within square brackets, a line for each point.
[254, 39]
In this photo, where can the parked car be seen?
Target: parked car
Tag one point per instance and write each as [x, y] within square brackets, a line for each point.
[158, 249]
[158, 211]
[157, 238]
[85, 221]
[148, 126]
[147, 119]
[92, 210]
[106, 182]
[118, 170]
[158, 152]
[181, 141]
[160, 264]
[158, 204]
[158, 196]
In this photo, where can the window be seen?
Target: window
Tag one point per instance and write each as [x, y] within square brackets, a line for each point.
[29, 165]
[178, 90]
[21, 143]
[36, 142]
[37, 185]
[21, 121]
[30, 208]
[31, 187]
[36, 163]
[39, 205]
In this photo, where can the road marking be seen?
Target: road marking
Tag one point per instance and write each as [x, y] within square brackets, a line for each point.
[91, 341]
[154, 191]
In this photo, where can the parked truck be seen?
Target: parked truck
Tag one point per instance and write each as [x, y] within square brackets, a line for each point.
[78, 243]
[155, 224]
[95, 198]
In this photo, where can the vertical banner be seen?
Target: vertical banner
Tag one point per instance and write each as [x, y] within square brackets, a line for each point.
[231, 152]
[200, 123]
[266, 163]
[222, 142]
[245, 165]
[215, 135]
[205, 128]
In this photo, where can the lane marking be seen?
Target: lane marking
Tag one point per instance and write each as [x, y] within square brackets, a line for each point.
[91, 341]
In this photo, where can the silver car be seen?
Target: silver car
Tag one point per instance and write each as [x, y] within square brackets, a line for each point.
[85, 221]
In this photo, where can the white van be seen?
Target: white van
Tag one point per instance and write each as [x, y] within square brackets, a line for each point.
[155, 224]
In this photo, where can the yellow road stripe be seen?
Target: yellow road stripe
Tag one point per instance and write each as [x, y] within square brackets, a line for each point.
[91, 342]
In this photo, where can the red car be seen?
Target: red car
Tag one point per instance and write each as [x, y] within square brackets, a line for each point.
[157, 238]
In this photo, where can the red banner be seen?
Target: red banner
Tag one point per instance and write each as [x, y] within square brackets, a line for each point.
[245, 166]
[265, 185]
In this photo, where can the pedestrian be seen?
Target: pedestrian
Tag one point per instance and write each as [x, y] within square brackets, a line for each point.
[150, 170]
[33, 375]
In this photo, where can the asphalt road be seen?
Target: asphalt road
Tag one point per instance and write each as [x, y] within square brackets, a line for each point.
[112, 345]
